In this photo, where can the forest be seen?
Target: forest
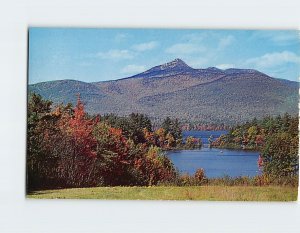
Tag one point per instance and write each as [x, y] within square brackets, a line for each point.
[275, 137]
[68, 148]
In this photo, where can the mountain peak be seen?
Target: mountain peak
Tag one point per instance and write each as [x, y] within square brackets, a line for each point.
[176, 63]
[175, 66]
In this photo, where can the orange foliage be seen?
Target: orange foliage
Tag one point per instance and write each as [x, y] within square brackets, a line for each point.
[80, 129]
[149, 136]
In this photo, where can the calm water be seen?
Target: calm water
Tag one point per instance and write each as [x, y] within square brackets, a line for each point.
[204, 135]
[215, 162]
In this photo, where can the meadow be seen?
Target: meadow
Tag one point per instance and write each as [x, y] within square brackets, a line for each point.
[209, 193]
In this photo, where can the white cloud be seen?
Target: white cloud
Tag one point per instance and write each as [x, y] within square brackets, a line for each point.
[198, 62]
[278, 37]
[123, 54]
[274, 59]
[226, 41]
[115, 54]
[185, 48]
[285, 38]
[133, 69]
[145, 46]
[198, 51]
[121, 37]
[225, 66]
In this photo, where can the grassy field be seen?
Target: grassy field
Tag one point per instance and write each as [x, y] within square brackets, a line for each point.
[212, 193]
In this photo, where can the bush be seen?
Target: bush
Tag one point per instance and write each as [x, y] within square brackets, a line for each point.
[199, 175]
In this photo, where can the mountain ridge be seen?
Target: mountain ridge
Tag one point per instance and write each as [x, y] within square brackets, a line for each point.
[177, 90]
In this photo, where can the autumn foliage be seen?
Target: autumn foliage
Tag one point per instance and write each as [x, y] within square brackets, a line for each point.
[67, 148]
[80, 130]
[275, 137]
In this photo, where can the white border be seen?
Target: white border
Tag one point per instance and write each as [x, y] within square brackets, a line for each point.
[20, 215]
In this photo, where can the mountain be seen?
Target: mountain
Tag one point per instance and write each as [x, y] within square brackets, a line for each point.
[177, 90]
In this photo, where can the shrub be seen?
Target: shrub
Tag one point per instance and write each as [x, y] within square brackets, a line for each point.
[199, 175]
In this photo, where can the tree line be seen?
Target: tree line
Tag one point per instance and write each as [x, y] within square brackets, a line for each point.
[66, 147]
[275, 137]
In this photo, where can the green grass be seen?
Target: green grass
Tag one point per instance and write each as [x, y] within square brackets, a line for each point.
[212, 193]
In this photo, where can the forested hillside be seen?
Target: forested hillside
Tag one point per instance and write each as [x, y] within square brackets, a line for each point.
[197, 96]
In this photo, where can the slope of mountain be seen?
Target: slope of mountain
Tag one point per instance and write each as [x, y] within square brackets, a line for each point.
[174, 89]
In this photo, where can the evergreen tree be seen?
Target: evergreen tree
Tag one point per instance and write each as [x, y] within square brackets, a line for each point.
[172, 127]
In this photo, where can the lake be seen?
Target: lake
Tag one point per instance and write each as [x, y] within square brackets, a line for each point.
[204, 135]
[215, 162]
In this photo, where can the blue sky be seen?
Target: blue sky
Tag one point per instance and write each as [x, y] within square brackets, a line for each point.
[93, 55]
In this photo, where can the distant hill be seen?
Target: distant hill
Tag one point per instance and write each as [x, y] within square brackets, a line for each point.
[175, 89]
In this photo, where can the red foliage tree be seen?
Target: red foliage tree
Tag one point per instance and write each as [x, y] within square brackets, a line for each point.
[79, 155]
[81, 128]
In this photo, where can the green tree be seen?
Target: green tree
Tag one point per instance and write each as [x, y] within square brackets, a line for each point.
[252, 132]
[132, 126]
[172, 127]
[280, 155]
